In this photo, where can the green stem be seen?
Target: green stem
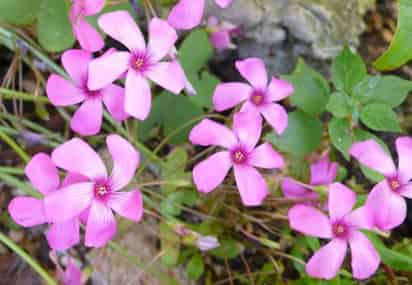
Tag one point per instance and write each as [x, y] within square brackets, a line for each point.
[8, 140]
[13, 181]
[28, 259]
[12, 94]
[12, 170]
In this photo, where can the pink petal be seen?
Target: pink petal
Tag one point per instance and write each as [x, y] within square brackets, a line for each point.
[210, 173]
[362, 218]
[77, 156]
[91, 7]
[221, 39]
[160, 74]
[292, 189]
[265, 156]
[73, 178]
[323, 171]
[87, 120]
[121, 26]
[68, 202]
[106, 69]
[340, 201]
[228, 95]
[162, 37]
[101, 225]
[125, 161]
[251, 184]
[254, 71]
[276, 116]
[72, 275]
[406, 191]
[208, 132]
[186, 14]
[113, 98]
[326, 262]
[223, 3]
[365, 258]
[89, 39]
[127, 204]
[62, 236]
[310, 221]
[388, 209]
[62, 92]
[76, 62]
[371, 154]
[138, 97]
[279, 89]
[404, 149]
[27, 211]
[248, 127]
[42, 173]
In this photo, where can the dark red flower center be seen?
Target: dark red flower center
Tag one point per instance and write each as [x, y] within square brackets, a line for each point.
[339, 229]
[238, 156]
[394, 184]
[101, 189]
[257, 97]
[140, 61]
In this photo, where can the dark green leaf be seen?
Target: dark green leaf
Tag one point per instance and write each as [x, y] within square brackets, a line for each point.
[19, 12]
[195, 51]
[195, 267]
[311, 90]
[347, 70]
[341, 135]
[227, 249]
[172, 205]
[379, 117]
[400, 50]
[205, 85]
[338, 105]
[54, 30]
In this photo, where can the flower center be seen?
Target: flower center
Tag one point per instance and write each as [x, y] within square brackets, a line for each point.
[394, 184]
[140, 61]
[257, 97]
[101, 189]
[339, 229]
[238, 156]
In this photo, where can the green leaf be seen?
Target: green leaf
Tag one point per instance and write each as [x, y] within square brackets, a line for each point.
[302, 136]
[400, 49]
[341, 135]
[347, 70]
[19, 12]
[195, 51]
[172, 205]
[394, 259]
[169, 244]
[311, 90]
[339, 105]
[390, 90]
[174, 169]
[228, 249]
[54, 30]
[205, 85]
[380, 117]
[195, 267]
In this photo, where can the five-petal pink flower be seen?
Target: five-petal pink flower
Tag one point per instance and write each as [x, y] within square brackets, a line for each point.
[342, 227]
[187, 14]
[259, 96]
[140, 62]
[29, 211]
[240, 153]
[87, 120]
[386, 201]
[89, 39]
[100, 194]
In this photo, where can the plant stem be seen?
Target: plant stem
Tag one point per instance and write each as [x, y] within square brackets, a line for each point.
[12, 94]
[8, 140]
[28, 259]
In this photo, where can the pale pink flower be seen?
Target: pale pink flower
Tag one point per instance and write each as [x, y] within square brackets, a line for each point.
[220, 33]
[139, 63]
[259, 97]
[206, 243]
[28, 211]
[187, 14]
[386, 201]
[240, 153]
[87, 120]
[341, 227]
[323, 172]
[89, 39]
[100, 194]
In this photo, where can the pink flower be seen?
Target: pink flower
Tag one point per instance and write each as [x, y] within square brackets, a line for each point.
[87, 120]
[342, 227]
[140, 62]
[187, 14]
[220, 33]
[72, 275]
[100, 194]
[259, 96]
[89, 39]
[323, 172]
[29, 211]
[240, 153]
[386, 200]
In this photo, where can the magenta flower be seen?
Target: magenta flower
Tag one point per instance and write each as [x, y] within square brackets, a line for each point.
[240, 153]
[140, 62]
[323, 172]
[259, 96]
[220, 34]
[87, 120]
[187, 14]
[100, 194]
[29, 211]
[386, 201]
[72, 275]
[89, 39]
[342, 227]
